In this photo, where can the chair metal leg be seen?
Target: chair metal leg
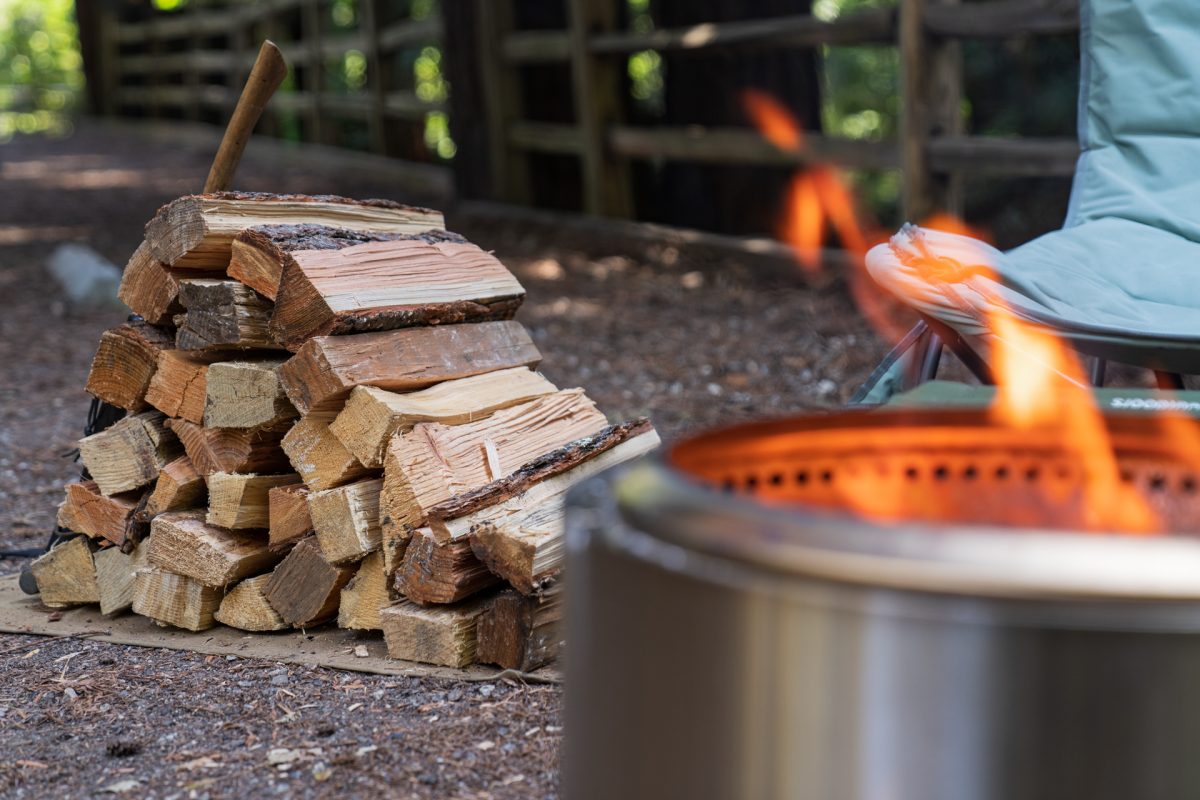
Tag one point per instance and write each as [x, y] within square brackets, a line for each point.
[1099, 366]
[958, 345]
[933, 358]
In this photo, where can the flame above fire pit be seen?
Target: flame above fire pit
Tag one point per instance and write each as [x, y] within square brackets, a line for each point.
[949, 466]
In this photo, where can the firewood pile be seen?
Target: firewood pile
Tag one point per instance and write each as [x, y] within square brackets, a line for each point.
[330, 416]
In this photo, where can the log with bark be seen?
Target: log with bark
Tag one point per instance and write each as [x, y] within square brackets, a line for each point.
[317, 455]
[519, 632]
[246, 394]
[128, 455]
[187, 545]
[196, 232]
[124, 364]
[372, 416]
[436, 278]
[324, 371]
[171, 599]
[231, 449]
[433, 462]
[305, 588]
[245, 607]
[222, 315]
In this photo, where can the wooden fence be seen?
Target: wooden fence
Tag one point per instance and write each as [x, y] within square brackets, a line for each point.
[187, 64]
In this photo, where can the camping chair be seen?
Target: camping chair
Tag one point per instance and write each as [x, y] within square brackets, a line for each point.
[1120, 280]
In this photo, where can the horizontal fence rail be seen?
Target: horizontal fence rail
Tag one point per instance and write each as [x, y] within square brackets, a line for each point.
[190, 65]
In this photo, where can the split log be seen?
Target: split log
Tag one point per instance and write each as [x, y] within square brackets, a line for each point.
[364, 596]
[184, 543]
[305, 588]
[435, 278]
[521, 539]
[100, 517]
[372, 416]
[115, 576]
[440, 572]
[66, 575]
[433, 462]
[288, 512]
[322, 373]
[346, 520]
[231, 449]
[519, 632]
[543, 478]
[178, 386]
[151, 289]
[246, 394]
[195, 232]
[171, 599]
[222, 315]
[178, 487]
[259, 255]
[245, 607]
[314, 452]
[239, 500]
[129, 454]
[442, 635]
[125, 362]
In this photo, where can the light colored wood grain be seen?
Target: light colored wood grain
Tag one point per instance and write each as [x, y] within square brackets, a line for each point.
[129, 454]
[151, 289]
[246, 394]
[372, 416]
[364, 596]
[115, 576]
[184, 543]
[66, 575]
[433, 635]
[240, 500]
[245, 607]
[317, 455]
[171, 599]
[346, 520]
[231, 449]
[324, 371]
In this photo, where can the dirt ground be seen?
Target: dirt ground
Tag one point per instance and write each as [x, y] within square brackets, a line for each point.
[689, 339]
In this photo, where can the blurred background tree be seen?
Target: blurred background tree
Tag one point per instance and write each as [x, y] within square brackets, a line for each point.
[41, 70]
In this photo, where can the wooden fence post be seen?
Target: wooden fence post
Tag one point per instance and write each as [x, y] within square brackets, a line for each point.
[931, 94]
[597, 82]
[509, 167]
[315, 69]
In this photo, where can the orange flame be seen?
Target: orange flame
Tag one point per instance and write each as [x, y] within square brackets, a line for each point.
[1041, 384]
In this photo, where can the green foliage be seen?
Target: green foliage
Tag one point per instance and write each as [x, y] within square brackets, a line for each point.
[41, 70]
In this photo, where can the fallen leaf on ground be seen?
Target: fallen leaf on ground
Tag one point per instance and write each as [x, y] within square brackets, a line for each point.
[120, 787]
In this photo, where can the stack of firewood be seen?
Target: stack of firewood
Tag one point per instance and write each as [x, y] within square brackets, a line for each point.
[330, 415]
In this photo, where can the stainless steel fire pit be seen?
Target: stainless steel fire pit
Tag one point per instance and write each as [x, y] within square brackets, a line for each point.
[734, 635]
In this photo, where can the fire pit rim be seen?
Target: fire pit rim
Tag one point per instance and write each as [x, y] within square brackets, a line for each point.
[960, 559]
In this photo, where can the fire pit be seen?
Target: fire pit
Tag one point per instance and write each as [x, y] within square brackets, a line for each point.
[887, 605]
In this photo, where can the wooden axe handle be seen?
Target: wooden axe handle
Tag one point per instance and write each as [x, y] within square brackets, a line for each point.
[269, 71]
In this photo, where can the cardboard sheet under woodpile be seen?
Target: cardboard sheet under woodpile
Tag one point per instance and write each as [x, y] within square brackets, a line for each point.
[330, 417]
